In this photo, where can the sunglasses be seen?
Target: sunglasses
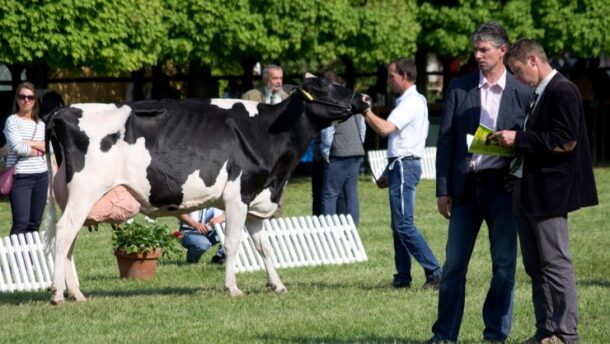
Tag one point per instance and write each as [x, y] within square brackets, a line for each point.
[28, 97]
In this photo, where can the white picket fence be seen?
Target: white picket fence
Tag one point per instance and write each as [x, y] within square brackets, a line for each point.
[23, 263]
[378, 160]
[295, 241]
[303, 241]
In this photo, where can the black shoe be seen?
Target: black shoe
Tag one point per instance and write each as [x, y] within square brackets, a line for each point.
[432, 284]
[401, 285]
[220, 260]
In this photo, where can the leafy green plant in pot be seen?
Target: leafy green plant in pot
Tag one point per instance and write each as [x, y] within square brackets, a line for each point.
[138, 245]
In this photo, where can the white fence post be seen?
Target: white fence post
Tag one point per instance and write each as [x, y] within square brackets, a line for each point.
[302, 241]
[23, 263]
[378, 161]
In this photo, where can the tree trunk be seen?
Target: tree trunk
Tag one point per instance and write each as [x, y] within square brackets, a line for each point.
[161, 87]
[194, 81]
[421, 63]
[15, 70]
[350, 72]
[247, 80]
[38, 74]
[137, 79]
[201, 83]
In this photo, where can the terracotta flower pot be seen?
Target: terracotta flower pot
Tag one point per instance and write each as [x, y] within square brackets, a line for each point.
[140, 265]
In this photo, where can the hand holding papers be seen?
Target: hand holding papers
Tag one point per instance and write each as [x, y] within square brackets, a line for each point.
[480, 143]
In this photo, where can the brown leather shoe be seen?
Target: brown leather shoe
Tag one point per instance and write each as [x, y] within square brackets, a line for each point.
[432, 284]
[532, 340]
[548, 340]
[552, 340]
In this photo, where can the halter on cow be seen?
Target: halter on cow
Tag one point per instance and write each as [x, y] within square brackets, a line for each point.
[176, 156]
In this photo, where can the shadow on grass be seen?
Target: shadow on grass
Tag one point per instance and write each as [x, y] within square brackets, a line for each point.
[136, 291]
[369, 339]
[22, 297]
[320, 340]
[383, 285]
[594, 283]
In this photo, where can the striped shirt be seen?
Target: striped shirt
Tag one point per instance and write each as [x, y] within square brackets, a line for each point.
[18, 130]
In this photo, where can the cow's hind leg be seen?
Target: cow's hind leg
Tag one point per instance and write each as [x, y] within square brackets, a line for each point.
[262, 245]
[235, 219]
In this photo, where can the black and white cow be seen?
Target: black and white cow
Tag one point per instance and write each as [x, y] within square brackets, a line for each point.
[176, 156]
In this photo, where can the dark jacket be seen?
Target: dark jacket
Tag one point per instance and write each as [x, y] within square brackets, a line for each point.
[557, 167]
[461, 115]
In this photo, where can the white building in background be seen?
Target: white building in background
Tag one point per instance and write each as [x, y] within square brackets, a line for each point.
[434, 70]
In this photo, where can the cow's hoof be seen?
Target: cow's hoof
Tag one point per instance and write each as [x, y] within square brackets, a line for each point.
[236, 292]
[56, 302]
[277, 289]
[78, 297]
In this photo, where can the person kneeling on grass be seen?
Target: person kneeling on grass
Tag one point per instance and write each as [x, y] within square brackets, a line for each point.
[198, 234]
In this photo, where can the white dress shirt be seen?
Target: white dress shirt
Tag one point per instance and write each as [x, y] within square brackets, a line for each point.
[410, 116]
[490, 107]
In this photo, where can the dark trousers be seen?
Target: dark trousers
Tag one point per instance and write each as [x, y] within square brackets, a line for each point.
[546, 258]
[484, 199]
[340, 187]
[28, 198]
[317, 171]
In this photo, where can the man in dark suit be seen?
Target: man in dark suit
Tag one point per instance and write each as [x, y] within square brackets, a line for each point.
[473, 188]
[556, 178]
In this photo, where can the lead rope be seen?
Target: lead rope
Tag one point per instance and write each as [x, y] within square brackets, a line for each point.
[402, 176]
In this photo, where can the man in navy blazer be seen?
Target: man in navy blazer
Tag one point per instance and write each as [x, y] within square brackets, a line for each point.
[473, 188]
[556, 178]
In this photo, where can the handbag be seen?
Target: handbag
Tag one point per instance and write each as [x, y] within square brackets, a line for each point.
[6, 178]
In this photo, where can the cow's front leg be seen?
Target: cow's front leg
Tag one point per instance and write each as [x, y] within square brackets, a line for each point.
[71, 278]
[64, 241]
[67, 228]
[262, 245]
[235, 219]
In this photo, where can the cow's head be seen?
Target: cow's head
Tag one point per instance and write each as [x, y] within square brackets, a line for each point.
[331, 102]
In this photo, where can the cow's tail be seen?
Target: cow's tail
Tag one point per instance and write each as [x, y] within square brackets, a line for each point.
[51, 218]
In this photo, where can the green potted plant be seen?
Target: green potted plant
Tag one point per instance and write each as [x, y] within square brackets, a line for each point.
[138, 245]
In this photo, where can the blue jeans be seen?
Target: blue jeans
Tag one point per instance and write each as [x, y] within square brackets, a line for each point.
[340, 178]
[403, 179]
[28, 199]
[197, 244]
[483, 200]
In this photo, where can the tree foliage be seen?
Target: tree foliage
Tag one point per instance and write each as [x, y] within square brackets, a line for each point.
[447, 29]
[576, 26]
[126, 35]
[109, 35]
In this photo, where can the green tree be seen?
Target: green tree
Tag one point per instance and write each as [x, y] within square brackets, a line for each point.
[109, 35]
[579, 27]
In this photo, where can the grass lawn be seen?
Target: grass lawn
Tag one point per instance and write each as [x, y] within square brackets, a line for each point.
[350, 303]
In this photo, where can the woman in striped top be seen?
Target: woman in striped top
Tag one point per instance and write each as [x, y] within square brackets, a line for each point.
[24, 132]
